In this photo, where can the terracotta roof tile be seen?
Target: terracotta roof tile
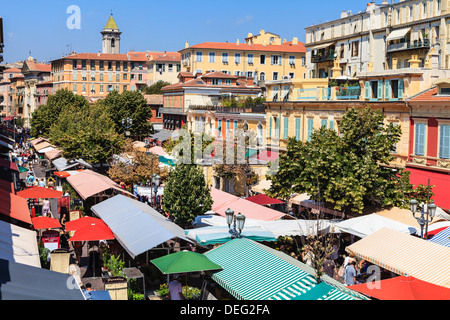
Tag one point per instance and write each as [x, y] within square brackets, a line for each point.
[154, 99]
[430, 95]
[167, 56]
[97, 56]
[285, 47]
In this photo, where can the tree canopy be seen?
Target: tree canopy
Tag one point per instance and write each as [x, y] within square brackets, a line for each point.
[129, 104]
[156, 88]
[186, 194]
[349, 171]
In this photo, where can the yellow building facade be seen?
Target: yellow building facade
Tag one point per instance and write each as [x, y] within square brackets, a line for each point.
[262, 57]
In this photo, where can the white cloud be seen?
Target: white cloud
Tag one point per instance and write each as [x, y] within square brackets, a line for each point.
[243, 20]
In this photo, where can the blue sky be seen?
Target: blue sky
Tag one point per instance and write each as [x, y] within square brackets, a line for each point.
[41, 26]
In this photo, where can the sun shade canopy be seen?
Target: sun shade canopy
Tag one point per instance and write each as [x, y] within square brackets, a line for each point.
[442, 238]
[14, 206]
[136, 226]
[398, 34]
[93, 232]
[263, 199]
[405, 255]
[184, 262]
[83, 223]
[403, 288]
[22, 282]
[45, 223]
[40, 193]
[218, 235]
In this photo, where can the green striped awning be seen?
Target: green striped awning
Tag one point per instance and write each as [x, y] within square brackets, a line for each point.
[252, 273]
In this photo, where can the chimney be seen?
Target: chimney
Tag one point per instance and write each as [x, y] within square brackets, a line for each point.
[186, 45]
[344, 14]
[249, 35]
[295, 41]
[284, 40]
[250, 81]
[262, 32]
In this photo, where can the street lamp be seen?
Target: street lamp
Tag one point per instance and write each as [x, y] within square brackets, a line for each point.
[155, 180]
[238, 222]
[127, 123]
[422, 220]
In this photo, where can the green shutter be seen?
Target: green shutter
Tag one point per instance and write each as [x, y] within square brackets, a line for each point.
[400, 88]
[332, 124]
[297, 129]
[310, 128]
[286, 128]
[277, 127]
[387, 90]
[270, 127]
[367, 94]
[323, 123]
[380, 89]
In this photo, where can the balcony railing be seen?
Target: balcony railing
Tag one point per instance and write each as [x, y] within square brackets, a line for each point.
[323, 56]
[331, 93]
[417, 44]
[222, 109]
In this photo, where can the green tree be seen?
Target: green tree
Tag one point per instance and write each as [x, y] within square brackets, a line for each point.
[348, 172]
[129, 104]
[87, 133]
[46, 115]
[186, 194]
[156, 88]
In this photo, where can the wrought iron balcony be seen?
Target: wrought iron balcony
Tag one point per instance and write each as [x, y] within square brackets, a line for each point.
[417, 44]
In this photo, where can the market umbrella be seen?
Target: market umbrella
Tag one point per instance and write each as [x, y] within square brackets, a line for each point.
[403, 288]
[93, 232]
[45, 223]
[40, 193]
[83, 222]
[184, 262]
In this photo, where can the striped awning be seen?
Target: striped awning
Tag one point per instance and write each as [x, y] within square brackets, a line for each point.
[321, 291]
[442, 238]
[405, 255]
[252, 273]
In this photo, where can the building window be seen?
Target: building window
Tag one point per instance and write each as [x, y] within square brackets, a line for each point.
[262, 59]
[101, 88]
[292, 60]
[444, 141]
[118, 77]
[249, 74]
[237, 58]
[110, 66]
[216, 82]
[125, 66]
[250, 58]
[262, 76]
[303, 61]
[140, 66]
[75, 65]
[419, 139]
[118, 66]
[83, 64]
[275, 60]
[275, 93]
[178, 67]
[355, 48]
[291, 75]
[102, 65]
[275, 76]
[125, 76]
[228, 82]
[199, 56]
[224, 57]
[74, 88]
[212, 57]
[170, 67]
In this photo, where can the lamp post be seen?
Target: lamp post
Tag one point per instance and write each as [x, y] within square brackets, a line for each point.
[237, 221]
[422, 220]
[155, 180]
[127, 123]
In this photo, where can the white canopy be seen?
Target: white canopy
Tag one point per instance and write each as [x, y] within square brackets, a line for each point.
[366, 225]
[137, 226]
[397, 34]
[19, 245]
[46, 150]
[278, 228]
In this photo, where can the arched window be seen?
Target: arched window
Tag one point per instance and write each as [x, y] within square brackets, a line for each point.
[113, 43]
[262, 76]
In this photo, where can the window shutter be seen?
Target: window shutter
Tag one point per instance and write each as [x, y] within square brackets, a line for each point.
[332, 124]
[279, 60]
[297, 129]
[277, 128]
[420, 139]
[400, 88]
[270, 127]
[286, 128]
[367, 94]
[444, 143]
[387, 89]
[310, 128]
[380, 89]
[323, 123]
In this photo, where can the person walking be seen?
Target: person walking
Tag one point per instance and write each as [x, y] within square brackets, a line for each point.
[42, 183]
[46, 208]
[350, 273]
[329, 267]
[308, 256]
[175, 288]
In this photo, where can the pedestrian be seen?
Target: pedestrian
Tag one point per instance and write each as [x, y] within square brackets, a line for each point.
[87, 291]
[329, 267]
[350, 273]
[175, 288]
[78, 249]
[42, 183]
[46, 207]
[308, 256]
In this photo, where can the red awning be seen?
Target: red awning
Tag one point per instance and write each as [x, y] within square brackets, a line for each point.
[93, 232]
[45, 223]
[264, 199]
[6, 186]
[439, 179]
[83, 223]
[61, 174]
[403, 288]
[8, 164]
[14, 206]
[40, 193]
